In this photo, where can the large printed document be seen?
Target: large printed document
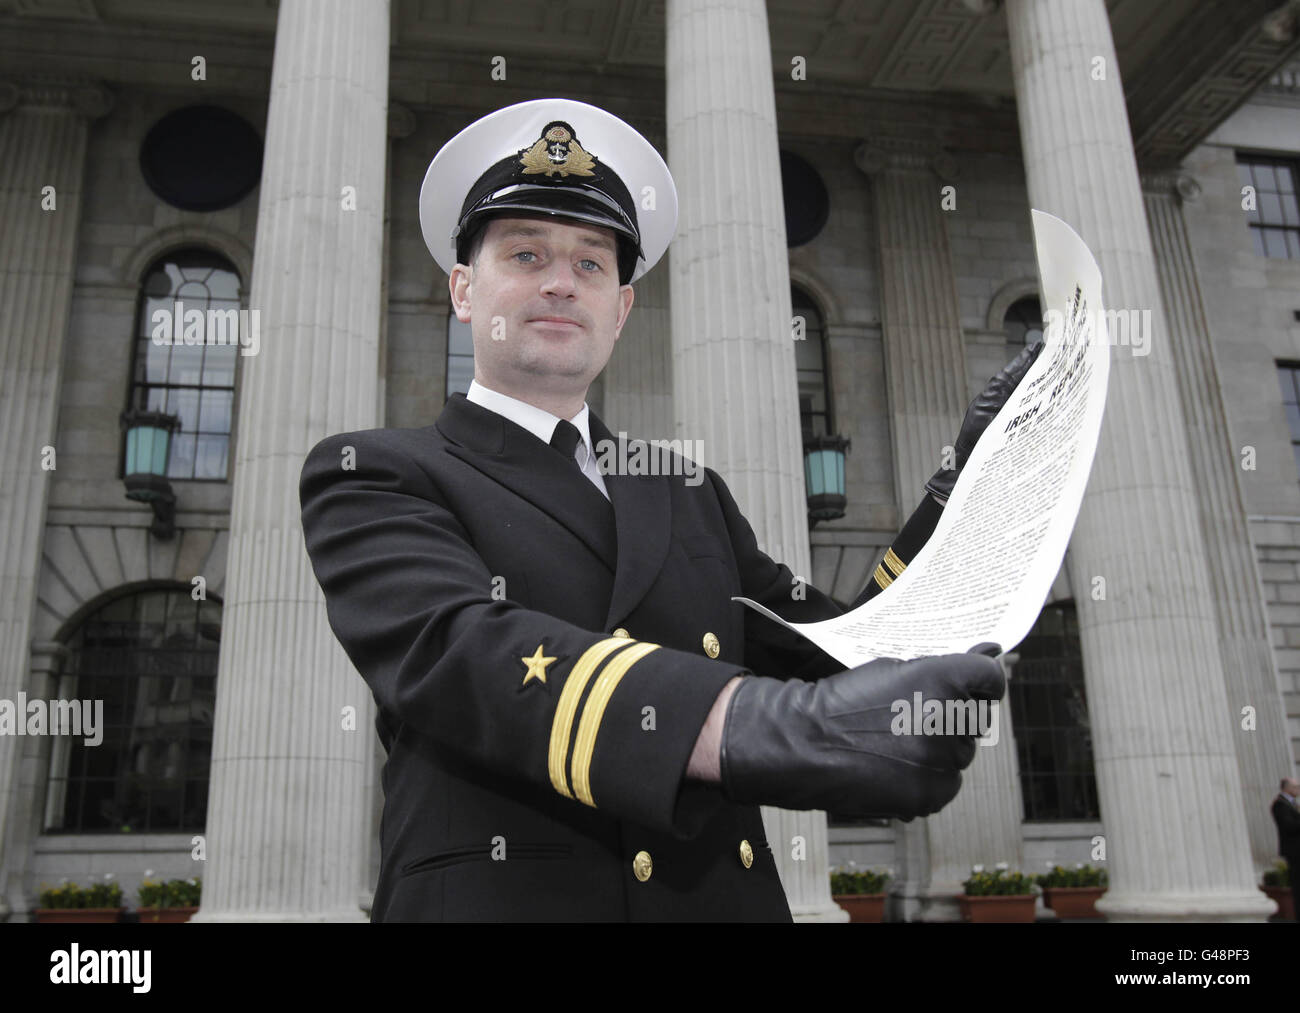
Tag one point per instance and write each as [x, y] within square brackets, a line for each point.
[989, 565]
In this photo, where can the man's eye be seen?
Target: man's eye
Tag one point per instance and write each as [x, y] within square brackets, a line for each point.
[590, 265]
[526, 253]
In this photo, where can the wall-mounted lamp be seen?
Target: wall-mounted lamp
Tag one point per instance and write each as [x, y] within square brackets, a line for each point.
[148, 447]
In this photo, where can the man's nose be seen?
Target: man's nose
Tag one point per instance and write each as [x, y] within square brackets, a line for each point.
[558, 279]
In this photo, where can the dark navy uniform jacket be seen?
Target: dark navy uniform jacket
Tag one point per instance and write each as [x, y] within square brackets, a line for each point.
[541, 661]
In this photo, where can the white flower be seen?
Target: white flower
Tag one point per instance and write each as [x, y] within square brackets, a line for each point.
[1002, 867]
[1078, 865]
[977, 868]
[148, 873]
[1050, 864]
[107, 876]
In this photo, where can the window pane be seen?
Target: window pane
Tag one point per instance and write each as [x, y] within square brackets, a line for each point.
[1289, 212]
[151, 361]
[219, 365]
[1285, 178]
[1243, 174]
[1274, 242]
[184, 403]
[210, 459]
[214, 411]
[1257, 235]
[1265, 181]
[1270, 208]
[186, 364]
[224, 284]
[182, 456]
[1293, 243]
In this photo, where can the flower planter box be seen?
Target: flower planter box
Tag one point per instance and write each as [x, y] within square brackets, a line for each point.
[862, 907]
[166, 914]
[1073, 901]
[78, 915]
[1285, 902]
[1009, 908]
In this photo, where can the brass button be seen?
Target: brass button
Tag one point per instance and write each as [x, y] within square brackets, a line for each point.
[642, 866]
[620, 632]
[711, 645]
[746, 854]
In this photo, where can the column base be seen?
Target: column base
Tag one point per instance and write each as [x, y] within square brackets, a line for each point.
[301, 917]
[934, 903]
[1186, 907]
[805, 913]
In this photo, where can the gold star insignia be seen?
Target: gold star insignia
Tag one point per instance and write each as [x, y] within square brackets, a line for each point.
[536, 666]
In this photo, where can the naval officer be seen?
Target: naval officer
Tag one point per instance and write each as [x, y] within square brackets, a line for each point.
[580, 724]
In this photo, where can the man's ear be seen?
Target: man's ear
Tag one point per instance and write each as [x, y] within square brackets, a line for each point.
[458, 283]
[625, 307]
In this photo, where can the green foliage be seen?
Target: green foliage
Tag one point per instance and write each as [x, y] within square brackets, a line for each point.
[1080, 875]
[174, 893]
[104, 893]
[999, 883]
[1278, 875]
[850, 881]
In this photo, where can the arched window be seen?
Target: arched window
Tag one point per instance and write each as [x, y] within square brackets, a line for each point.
[150, 660]
[1023, 324]
[187, 337]
[810, 363]
[1049, 712]
[460, 355]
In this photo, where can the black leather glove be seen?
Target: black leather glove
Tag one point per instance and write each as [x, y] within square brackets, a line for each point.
[829, 744]
[978, 416]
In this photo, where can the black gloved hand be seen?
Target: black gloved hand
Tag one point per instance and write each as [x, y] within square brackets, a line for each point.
[978, 416]
[829, 744]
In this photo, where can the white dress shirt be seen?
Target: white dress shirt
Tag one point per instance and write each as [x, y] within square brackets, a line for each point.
[542, 425]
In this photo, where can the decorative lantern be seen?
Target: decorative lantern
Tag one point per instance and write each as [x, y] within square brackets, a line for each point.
[823, 469]
[148, 448]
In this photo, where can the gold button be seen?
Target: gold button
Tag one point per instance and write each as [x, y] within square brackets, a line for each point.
[711, 645]
[620, 632]
[746, 854]
[642, 866]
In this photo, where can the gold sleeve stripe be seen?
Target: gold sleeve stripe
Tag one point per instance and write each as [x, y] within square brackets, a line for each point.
[894, 563]
[594, 711]
[882, 578]
[567, 708]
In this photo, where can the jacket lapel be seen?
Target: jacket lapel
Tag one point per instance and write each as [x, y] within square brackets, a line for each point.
[643, 517]
[512, 456]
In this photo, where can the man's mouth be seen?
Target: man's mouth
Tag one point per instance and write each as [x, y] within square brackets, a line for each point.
[554, 320]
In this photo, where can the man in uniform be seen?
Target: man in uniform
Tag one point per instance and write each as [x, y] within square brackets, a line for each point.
[580, 723]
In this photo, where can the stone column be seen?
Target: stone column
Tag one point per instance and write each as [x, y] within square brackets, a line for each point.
[639, 377]
[1236, 593]
[925, 369]
[925, 354]
[287, 816]
[734, 382]
[43, 129]
[1166, 764]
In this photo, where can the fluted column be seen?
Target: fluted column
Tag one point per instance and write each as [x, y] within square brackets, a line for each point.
[43, 128]
[734, 383]
[639, 377]
[1249, 667]
[925, 368]
[287, 817]
[1167, 777]
[925, 355]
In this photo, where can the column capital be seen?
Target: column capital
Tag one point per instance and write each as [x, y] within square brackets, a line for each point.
[401, 121]
[1172, 183]
[83, 97]
[895, 155]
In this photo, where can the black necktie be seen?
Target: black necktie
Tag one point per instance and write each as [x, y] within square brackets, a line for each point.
[565, 440]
